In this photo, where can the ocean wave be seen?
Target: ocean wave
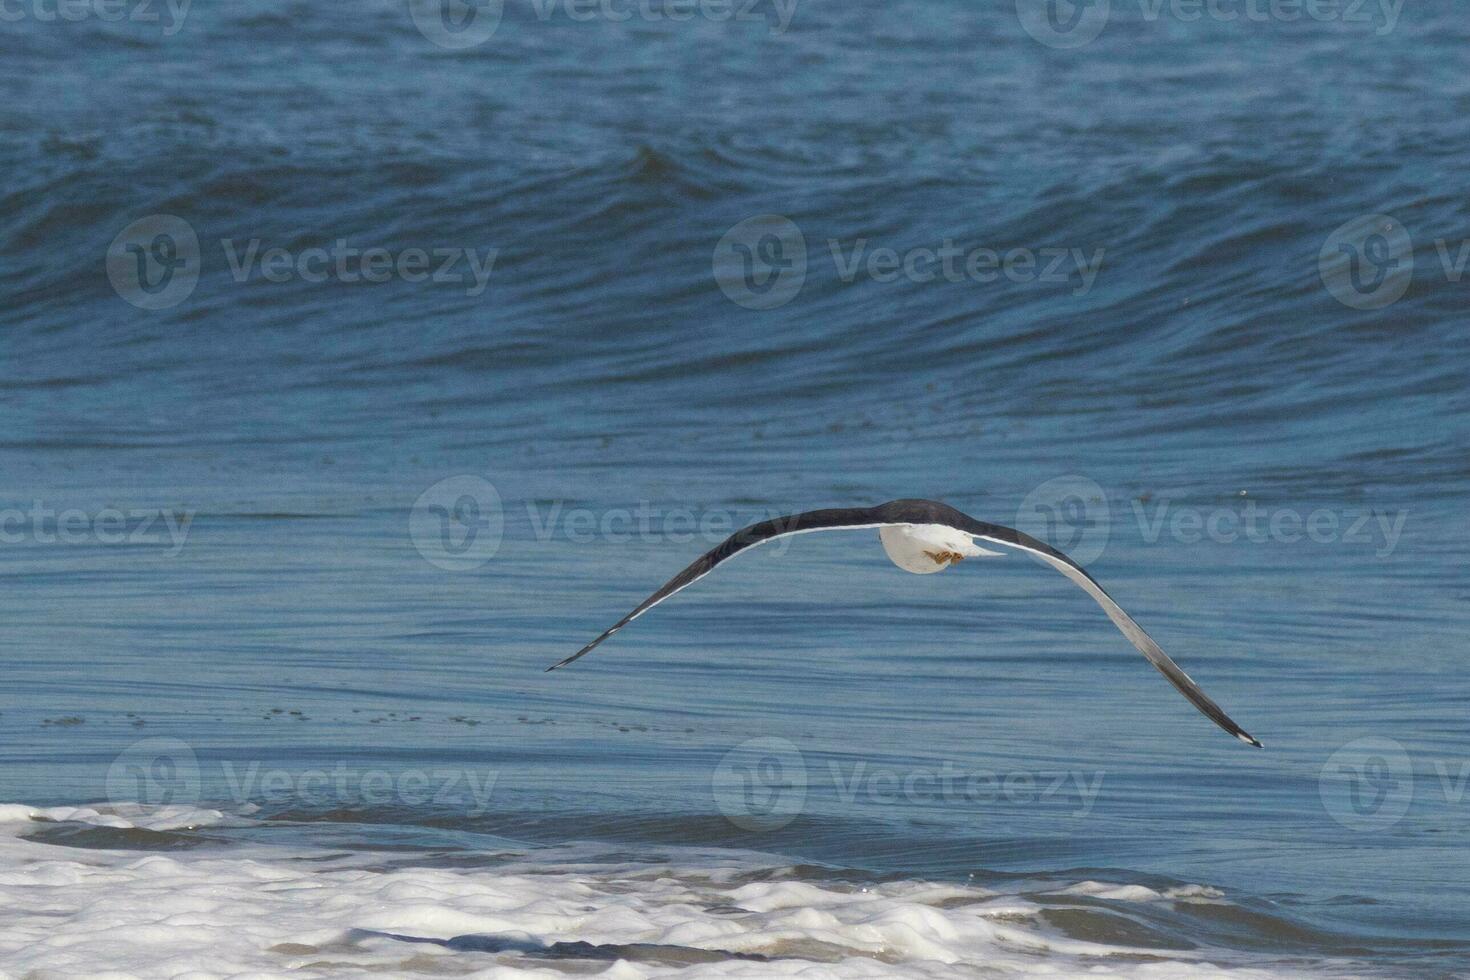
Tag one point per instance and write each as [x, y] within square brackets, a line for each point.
[221, 909]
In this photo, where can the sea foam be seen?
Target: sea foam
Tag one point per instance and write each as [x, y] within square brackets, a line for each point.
[229, 909]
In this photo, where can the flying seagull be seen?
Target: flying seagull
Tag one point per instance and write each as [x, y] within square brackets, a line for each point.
[923, 537]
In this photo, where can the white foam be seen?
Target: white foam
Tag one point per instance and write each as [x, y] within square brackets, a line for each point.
[125, 816]
[1202, 894]
[283, 911]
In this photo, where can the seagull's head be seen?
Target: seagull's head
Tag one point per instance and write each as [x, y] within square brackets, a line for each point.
[928, 548]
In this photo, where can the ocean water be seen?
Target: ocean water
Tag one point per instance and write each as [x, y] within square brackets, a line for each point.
[361, 360]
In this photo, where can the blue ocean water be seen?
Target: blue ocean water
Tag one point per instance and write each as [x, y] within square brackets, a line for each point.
[362, 360]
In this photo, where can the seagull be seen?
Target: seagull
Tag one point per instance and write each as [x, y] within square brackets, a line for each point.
[924, 537]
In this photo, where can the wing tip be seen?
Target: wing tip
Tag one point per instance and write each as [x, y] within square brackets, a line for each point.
[576, 656]
[1249, 739]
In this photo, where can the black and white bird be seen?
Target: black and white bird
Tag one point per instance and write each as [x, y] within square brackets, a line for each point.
[923, 537]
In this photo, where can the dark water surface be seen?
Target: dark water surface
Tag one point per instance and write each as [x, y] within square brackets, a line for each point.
[1271, 479]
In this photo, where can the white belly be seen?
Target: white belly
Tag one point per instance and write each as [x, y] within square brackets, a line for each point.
[920, 548]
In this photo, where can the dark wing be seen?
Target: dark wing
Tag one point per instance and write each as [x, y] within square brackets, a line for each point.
[841, 518]
[1145, 643]
[933, 512]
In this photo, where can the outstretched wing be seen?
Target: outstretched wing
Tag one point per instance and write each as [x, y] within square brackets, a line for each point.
[911, 512]
[1022, 541]
[835, 519]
